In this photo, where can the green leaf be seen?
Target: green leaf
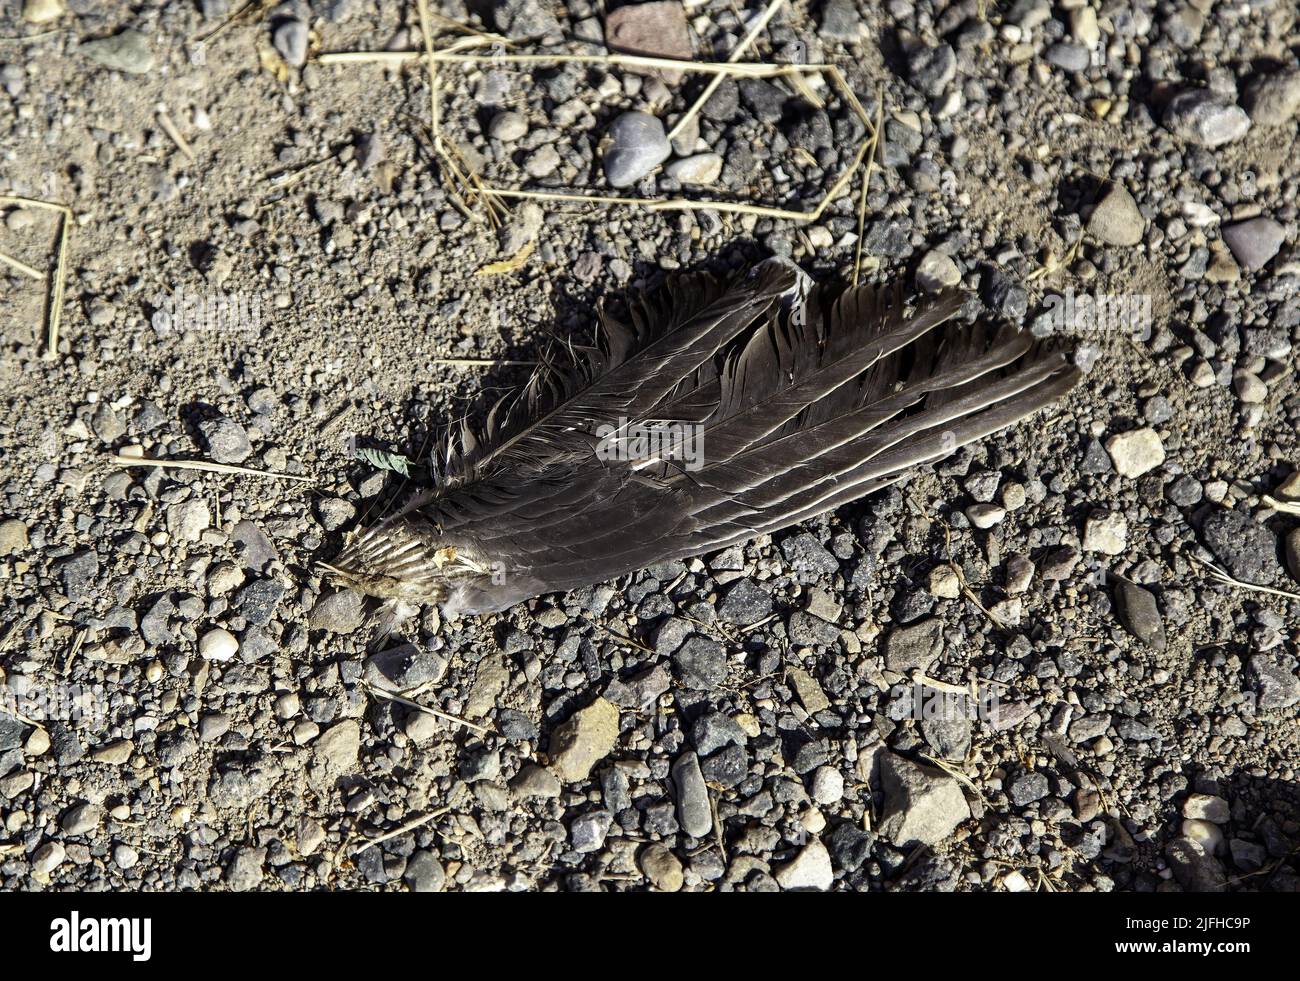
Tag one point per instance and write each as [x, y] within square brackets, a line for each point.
[385, 461]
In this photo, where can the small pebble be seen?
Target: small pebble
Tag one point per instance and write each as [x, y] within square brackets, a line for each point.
[638, 145]
[1254, 242]
[218, 645]
[508, 126]
[936, 271]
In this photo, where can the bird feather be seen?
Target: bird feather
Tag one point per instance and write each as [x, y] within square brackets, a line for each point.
[801, 400]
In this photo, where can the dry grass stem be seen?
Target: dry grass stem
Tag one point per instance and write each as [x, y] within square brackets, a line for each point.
[739, 50]
[169, 127]
[55, 313]
[455, 720]
[956, 774]
[873, 145]
[472, 187]
[403, 829]
[206, 465]
[1222, 576]
[22, 267]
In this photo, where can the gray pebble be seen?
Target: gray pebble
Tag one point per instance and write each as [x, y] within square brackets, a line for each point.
[693, 810]
[1116, 220]
[931, 69]
[1255, 241]
[290, 40]
[127, 51]
[639, 145]
[227, 441]
[508, 126]
[339, 612]
[1247, 549]
[1205, 118]
[1274, 100]
[1140, 615]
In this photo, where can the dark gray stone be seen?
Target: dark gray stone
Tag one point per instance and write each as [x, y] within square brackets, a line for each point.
[226, 440]
[727, 767]
[525, 20]
[851, 847]
[1028, 787]
[1185, 491]
[1139, 613]
[640, 690]
[403, 668]
[715, 730]
[1276, 683]
[638, 145]
[807, 630]
[254, 549]
[424, 873]
[745, 603]
[1246, 548]
[1195, 869]
[259, 600]
[1004, 296]
[763, 99]
[805, 554]
[11, 732]
[1255, 241]
[915, 646]
[840, 21]
[701, 663]
[1068, 56]
[693, 810]
[78, 573]
[931, 69]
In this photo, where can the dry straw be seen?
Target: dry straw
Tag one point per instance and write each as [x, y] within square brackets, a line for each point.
[1222, 576]
[472, 188]
[55, 310]
[123, 460]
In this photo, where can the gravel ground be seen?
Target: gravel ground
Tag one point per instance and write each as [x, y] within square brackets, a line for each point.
[191, 707]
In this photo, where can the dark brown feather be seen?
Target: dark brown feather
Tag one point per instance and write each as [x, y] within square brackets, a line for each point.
[804, 403]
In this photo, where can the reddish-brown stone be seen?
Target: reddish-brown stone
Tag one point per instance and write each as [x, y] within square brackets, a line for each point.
[657, 29]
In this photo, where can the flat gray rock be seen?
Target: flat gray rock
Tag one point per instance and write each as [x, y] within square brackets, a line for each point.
[127, 52]
[693, 809]
[1206, 119]
[1246, 548]
[1254, 242]
[638, 146]
[922, 806]
[1116, 220]
[1274, 100]
[915, 646]
[1140, 615]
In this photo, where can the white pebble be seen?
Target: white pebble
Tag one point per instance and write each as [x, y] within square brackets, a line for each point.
[1015, 881]
[1206, 807]
[985, 515]
[1135, 452]
[125, 856]
[1207, 835]
[218, 645]
[827, 785]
